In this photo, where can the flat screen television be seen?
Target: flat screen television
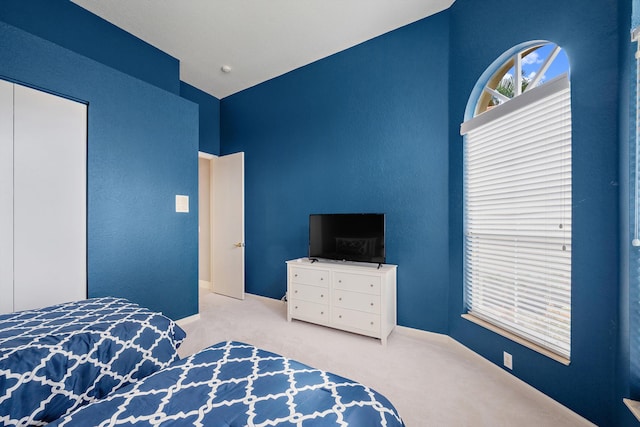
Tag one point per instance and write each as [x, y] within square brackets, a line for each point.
[347, 237]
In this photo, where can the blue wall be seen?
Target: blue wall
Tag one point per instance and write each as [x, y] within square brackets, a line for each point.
[629, 357]
[209, 117]
[71, 26]
[589, 33]
[74, 28]
[142, 151]
[364, 130]
[376, 128]
[370, 129]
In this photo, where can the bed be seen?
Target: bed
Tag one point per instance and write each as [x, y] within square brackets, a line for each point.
[56, 359]
[233, 384]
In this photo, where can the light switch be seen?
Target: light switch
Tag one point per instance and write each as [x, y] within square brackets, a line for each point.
[182, 203]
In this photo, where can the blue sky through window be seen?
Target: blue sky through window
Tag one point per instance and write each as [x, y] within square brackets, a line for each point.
[504, 89]
[532, 63]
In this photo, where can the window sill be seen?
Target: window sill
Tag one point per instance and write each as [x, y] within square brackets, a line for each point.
[517, 339]
[634, 407]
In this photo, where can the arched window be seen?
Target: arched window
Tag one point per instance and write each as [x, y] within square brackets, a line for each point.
[517, 199]
[526, 69]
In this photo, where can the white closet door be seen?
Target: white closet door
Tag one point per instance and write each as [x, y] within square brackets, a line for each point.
[6, 197]
[50, 135]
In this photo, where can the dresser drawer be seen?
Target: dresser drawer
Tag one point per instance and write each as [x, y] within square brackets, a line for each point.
[357, 283]
[352, 319]
[309, 276]
[309, 293]
[347, 296]
[311, 311]
[356, 301]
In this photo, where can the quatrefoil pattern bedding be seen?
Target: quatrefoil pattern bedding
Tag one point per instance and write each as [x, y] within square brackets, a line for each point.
[56, 359]
[232, 384]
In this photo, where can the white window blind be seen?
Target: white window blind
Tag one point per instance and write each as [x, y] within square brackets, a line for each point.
[517, 186]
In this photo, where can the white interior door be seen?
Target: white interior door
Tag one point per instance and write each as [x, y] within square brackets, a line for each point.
[50, 135]
[227, 273]
[6, 197]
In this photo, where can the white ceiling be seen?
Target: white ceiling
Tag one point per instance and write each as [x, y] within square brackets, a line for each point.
[257, 39]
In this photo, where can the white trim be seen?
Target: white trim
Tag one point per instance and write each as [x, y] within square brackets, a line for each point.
[203, 155]
[205, 284]
[513, 337]
[527, 98]
[634, 407]
[497, 94]
[543, 69]
[186, 320]
[472, 104]
[421, 335]
[430, 337]
[517, 66]
[265, 299]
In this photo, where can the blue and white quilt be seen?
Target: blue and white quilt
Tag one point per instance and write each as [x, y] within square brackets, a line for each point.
[56, 359]
[232, 384]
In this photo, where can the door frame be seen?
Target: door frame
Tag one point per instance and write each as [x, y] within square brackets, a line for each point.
[213, 160]
[209, 158]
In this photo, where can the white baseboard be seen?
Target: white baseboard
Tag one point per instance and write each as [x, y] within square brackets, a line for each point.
[204, 284]
[267, 300]
[420, 334]
[188, 319]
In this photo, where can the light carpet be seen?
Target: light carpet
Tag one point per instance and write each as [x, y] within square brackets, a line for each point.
[431, 379]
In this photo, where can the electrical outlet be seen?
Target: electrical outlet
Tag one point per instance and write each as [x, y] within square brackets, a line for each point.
[507, 360]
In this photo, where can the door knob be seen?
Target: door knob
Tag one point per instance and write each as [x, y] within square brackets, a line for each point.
[239, 245]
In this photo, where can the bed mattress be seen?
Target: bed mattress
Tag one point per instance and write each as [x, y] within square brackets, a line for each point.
[56, 359]
[232, 384]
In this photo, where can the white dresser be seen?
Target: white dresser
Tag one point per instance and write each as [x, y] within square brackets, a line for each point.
[355, 297]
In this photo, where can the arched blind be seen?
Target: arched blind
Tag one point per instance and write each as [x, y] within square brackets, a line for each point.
[517, 200]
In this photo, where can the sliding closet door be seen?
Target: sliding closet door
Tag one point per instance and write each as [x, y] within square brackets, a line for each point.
[50, 135]
[6, 197]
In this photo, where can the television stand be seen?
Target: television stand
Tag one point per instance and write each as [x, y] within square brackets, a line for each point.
[352, 296]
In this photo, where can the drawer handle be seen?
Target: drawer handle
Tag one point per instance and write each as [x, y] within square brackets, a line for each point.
[321, 296]
[372, 323]
[340, 299]
[371, 285]
[296, 307]
[322, 312]
[340, 317]
[339, 281]
[322, 278]
[295, 275]
[371, 304]
[295, 292]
